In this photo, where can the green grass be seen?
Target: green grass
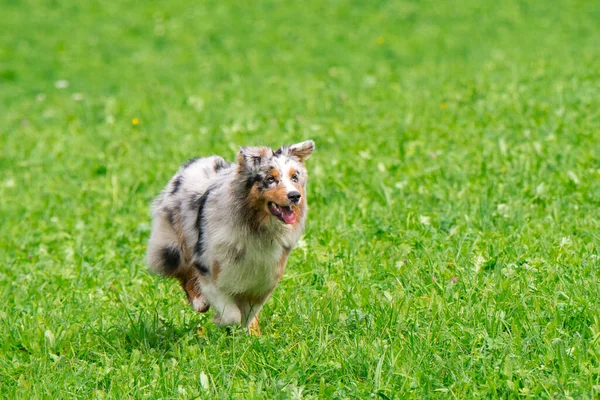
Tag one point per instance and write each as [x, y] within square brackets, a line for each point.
[452, 247]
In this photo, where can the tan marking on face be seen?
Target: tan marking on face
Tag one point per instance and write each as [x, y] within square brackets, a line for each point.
[291, 172]
[274, 173]
[254, 197]
[258, 204]
[299, 211]
[301, 190]
[277, 195]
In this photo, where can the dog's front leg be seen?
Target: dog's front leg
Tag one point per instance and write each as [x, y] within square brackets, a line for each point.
[249, 312]
[250, 306]
[254, 327]
[227, 311]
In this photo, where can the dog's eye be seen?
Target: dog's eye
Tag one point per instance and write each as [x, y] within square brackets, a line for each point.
[270, 180]
[295, 178]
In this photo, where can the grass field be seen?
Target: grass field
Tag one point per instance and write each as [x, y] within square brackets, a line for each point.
[452, 247]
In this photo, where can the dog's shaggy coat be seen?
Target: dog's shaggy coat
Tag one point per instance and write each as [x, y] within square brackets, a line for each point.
[225, 230]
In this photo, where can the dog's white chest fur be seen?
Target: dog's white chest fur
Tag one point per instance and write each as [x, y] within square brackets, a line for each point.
[250, 268]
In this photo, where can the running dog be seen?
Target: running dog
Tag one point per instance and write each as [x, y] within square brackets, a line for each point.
[225, 230]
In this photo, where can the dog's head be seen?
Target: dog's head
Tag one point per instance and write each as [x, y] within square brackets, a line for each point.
[275, 181]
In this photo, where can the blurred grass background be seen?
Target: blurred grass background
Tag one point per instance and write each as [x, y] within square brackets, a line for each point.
[452, 245]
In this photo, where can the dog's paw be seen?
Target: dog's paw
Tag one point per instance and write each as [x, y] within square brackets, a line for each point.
[254, 328]
[231, 316]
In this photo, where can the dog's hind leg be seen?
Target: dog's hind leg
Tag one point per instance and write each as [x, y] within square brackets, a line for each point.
[167, 256]
[189, 283]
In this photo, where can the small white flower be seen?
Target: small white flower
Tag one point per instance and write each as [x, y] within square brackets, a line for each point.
[50, 337]
[61, 84]
[47, 114]
[204, 380]
[540, 189]
[570, 351]
[40, 97]
[9, 183]
[502, 145]
[573, 177]
[503, 209]
[197, 103]
[508, 271]
[401, 184]
[77, 96]
[381, 167]
[565, 241]
[365, 154]
[479, 260]
[425, 220]
[369, 81]
[388, 296]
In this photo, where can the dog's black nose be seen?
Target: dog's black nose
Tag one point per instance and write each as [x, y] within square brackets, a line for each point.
[294, 196]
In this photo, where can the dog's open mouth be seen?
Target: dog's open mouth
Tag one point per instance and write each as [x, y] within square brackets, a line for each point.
[283, 213]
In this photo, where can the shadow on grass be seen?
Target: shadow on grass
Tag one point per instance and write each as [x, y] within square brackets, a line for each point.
[147, 331]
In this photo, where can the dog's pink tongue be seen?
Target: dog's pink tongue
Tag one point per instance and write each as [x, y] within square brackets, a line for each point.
[288, 215]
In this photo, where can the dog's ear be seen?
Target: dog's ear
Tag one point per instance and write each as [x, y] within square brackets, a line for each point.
[251, 157]
[302, 151]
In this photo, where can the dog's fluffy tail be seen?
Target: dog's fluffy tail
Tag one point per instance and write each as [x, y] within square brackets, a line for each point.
[166, 248]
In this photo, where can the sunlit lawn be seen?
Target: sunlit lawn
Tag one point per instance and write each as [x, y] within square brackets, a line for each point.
[452, 247]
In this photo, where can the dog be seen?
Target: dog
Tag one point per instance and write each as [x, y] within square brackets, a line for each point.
[225, 230]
